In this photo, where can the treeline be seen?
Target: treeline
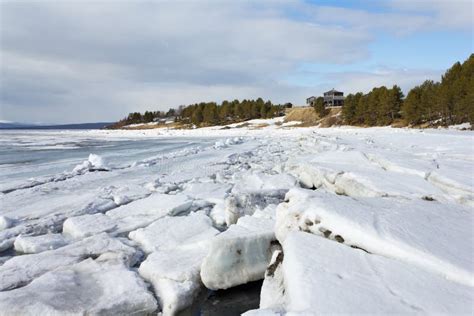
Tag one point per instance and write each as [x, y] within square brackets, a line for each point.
[147, 117]
[450, 101]
[381, 106]
[210, 113]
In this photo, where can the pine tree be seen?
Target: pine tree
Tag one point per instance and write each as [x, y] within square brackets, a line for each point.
[320, 108]
[197, 117]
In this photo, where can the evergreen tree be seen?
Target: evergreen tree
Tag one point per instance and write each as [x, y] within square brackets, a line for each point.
[320, 108]
[197, 116]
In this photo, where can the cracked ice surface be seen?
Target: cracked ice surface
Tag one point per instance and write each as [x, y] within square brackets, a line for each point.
[337, 220]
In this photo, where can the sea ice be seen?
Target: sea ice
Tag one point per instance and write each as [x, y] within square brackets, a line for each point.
[20, 270]
[36, 244]
[143, 212]
[79, 227]
[93, 163]
[174, 274]
[175, 232]
[435, 236]
[238, 255]
[86, 288]
[322, 276]
[5, 223]
[254, 191]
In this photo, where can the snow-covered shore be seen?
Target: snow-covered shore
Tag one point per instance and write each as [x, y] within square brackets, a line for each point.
[337, 220]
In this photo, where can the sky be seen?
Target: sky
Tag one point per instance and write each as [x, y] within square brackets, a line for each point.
[76, 61]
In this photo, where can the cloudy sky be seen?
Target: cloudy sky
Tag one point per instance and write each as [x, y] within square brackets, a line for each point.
[84, 61]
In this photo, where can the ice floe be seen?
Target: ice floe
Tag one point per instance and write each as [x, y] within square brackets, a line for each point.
[35, 244]
[424, 233]
[325, 277]
[20, 270]
[91, 287]
[172, 232]
[238, 255]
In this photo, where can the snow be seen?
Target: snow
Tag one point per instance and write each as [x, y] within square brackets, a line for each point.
[5, 223]
[177, 246]
[337, 220]
[93, 163]
[273, 287]
[143, 212]
[339, 279]
[292, 123]
[254, 191]
[174, 274]
[238, 255]
[228, 142]
[463, 126]
[87, 225]
[86, 288]
[420, 232]
[174, 232]
[20, 270]
[36, 244]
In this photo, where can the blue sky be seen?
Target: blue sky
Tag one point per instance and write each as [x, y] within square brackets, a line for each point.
[102, 59]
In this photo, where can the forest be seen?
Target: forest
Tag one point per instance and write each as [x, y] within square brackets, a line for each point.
[448, 102]
[212, 113]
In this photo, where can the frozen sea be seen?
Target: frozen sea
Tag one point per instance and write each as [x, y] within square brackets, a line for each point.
[28, 154]
[338, 220]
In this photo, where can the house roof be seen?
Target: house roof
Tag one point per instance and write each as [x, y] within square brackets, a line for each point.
[332, 91]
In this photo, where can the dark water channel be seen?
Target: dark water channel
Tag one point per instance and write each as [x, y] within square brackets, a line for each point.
[230, 302]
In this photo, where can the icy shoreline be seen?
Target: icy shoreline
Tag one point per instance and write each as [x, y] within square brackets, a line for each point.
[337, 220]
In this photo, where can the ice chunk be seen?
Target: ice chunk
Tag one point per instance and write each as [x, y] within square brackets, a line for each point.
[20, 270]
[93, 163]
[228, 142]
[35, 244]
[238, 255]
[272, 294]
[5, 223]
[179, 245]
[432, 235]
[255, 191]
[326, 277]
[85, 288]
[98, 162]
[125, 194]
[175, 277]
[352, 173]
[128, 217]
[87, 225]
[142, 212]
[175, 232]
[208, 191]
[263, 184]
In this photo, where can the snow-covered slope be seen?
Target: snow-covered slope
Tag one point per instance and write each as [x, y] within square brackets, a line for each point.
[339, 220]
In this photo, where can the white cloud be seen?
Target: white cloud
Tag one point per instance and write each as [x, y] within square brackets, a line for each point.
[457, 14]
[364, 81]
[101, 60]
